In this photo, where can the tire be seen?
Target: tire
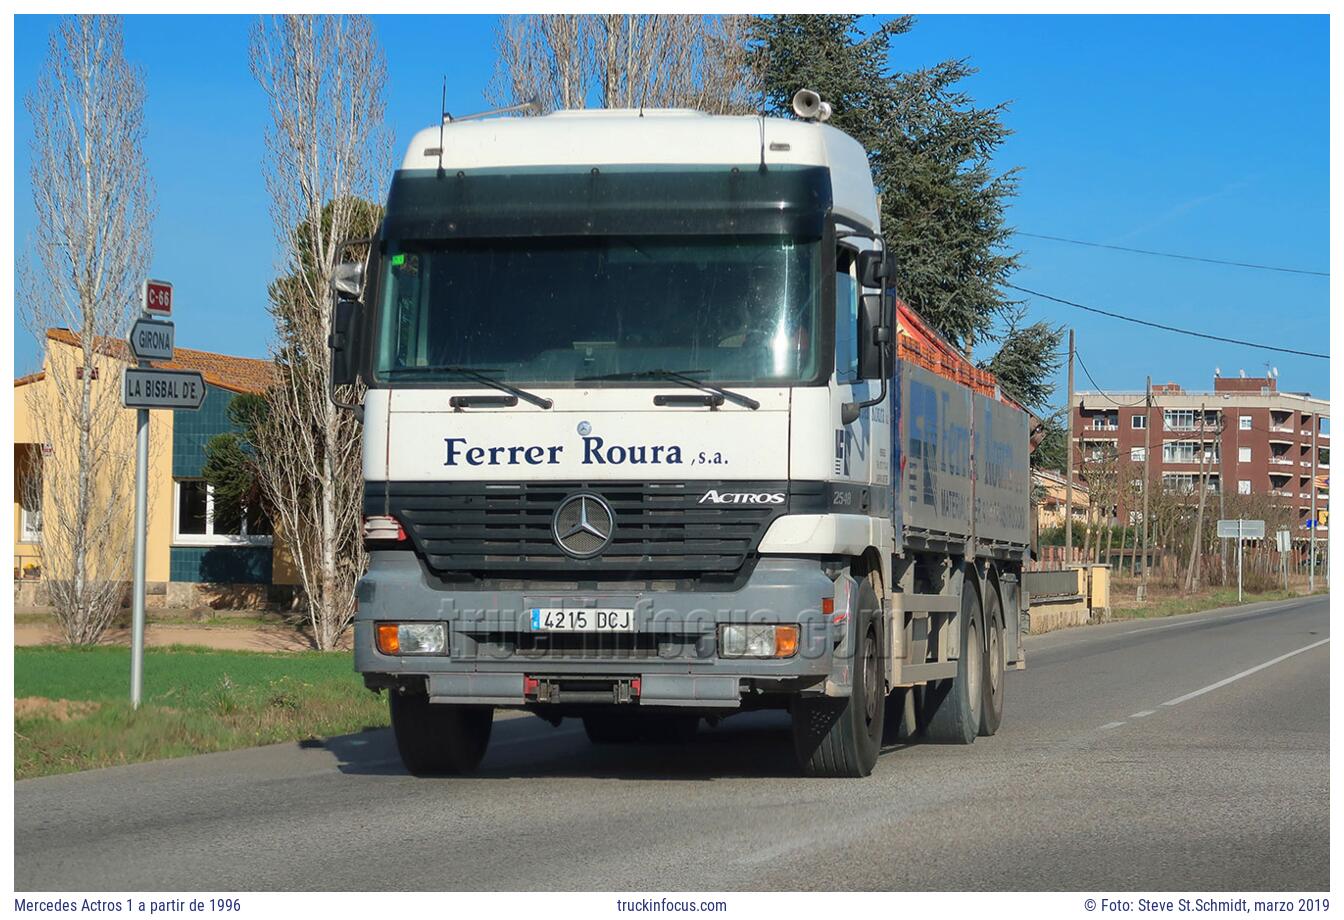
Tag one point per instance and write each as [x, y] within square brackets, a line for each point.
[952, 707]
[842, 737]
[991, 707]
[435, 739]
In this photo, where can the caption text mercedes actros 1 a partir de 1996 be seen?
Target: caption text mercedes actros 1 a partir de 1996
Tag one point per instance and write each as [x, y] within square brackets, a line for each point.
[650, 439]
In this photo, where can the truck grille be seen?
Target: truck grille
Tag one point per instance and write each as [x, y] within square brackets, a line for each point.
[500, 530]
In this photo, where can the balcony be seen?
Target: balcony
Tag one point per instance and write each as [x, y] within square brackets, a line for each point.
[1282, 461]
[1286, 429]
[1282, 493]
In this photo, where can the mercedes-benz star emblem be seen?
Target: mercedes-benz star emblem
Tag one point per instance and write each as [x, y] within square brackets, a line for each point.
[583, 525]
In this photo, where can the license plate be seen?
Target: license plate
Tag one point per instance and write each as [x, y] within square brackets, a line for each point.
[593, 619]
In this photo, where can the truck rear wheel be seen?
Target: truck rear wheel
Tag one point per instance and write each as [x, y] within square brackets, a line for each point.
[435, 739]
[842, 737]
[952, 707]
[991, 709]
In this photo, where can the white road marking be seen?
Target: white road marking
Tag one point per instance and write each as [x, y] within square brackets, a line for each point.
[1246, 673]
[1144, 714]
[1113, 725]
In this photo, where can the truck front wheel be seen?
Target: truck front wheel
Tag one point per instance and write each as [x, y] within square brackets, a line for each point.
[842, 737]
[435, 739]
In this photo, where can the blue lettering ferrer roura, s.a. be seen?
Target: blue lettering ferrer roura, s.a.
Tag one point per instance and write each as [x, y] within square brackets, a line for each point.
[596, 452]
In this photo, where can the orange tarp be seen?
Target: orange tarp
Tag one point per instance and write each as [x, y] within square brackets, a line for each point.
[918, 343]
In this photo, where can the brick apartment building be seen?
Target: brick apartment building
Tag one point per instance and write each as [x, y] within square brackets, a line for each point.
[1264, 447]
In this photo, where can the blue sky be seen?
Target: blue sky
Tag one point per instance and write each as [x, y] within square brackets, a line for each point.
[1206, 135]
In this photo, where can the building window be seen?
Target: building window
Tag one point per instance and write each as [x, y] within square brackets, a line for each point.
[1243, 487]
[30, 497]
[1245, 422]
[1139, 422]
[1138, 453]
[1178, 483]
[196, 523]
[1243, 455]
[1189, 452]
[1098, 451]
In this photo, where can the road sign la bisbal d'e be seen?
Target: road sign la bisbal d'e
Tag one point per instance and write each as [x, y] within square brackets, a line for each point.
[153, 388]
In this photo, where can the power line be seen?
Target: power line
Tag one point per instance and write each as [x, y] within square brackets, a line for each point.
[1101, 391]
[1145, 322]
[1174, 255]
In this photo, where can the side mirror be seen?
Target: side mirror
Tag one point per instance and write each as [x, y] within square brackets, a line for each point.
[348, 280]
[876, 268]
[344, 342]
[874, 337]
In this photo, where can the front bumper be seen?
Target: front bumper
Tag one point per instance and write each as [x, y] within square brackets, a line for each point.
[494, 657]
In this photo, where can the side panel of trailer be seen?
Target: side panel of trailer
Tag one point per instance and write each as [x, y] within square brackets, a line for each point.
[1002, 474]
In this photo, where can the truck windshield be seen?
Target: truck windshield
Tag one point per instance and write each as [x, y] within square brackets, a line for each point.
[739, 310]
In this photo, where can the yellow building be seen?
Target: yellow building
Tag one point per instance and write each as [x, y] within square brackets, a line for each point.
[193, 555]
[1051, 489]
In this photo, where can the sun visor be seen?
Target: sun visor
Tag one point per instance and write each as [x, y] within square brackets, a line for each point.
[782, 200]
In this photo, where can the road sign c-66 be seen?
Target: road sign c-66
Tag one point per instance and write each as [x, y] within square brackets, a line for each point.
[158, 297]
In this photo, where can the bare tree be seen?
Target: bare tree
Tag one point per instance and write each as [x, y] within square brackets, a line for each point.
[328, 154]
[628, 61]
[94, 203]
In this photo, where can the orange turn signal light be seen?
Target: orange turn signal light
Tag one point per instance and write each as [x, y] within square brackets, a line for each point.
[385, 637]
[786, 641]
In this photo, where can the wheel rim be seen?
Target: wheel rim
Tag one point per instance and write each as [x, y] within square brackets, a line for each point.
[871, 697]
[973, 665]
[995, 662]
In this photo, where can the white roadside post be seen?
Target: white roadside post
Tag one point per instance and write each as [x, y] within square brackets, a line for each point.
[1241, 530]
[1284, 541]
[144, 388]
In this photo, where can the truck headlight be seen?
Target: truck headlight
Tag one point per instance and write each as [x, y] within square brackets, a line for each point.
[410, 638]
[742, 641]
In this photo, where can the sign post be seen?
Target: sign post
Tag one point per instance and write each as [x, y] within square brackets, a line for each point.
[143, 388]
[1284, 538]
[1241, 530]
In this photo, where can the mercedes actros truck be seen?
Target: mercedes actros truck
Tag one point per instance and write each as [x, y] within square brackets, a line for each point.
[650, 439]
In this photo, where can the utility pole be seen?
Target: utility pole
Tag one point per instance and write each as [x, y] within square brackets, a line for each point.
[1192, 572]
[1147, 482]
[1068, 484]
[1311, 570]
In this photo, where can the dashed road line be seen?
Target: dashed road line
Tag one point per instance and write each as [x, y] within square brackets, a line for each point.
[1143, 714]
[1246, 673]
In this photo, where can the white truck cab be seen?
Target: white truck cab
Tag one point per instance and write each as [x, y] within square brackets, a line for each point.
[629, 452]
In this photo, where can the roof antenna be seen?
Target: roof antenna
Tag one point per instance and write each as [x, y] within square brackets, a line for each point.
[443, 117]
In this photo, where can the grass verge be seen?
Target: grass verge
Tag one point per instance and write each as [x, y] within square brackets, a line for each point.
[1178, 604]
[72, 710]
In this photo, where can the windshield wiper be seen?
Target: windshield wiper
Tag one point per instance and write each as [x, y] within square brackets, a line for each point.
[683, 378]
[477, 374]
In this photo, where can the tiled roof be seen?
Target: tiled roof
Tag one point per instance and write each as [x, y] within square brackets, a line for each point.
[240, 375]
[29, 378]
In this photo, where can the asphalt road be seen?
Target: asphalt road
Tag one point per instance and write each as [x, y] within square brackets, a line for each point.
[1181, 754]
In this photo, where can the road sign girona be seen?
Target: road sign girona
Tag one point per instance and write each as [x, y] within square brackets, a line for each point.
[158, 297]
[152, 340]
[154, 388]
